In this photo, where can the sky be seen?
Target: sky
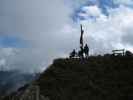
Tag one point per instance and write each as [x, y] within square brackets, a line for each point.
[34, 32]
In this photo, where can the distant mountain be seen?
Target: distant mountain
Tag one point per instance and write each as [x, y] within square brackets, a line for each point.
[12, 80]
[96, 78]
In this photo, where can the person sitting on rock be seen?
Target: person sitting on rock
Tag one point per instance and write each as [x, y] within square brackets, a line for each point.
[73, 53]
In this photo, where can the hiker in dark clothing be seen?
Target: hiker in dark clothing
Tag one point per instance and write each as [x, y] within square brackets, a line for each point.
[81, 53]
[86, 51]
[73, 53]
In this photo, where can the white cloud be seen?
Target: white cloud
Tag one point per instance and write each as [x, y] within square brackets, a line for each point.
[92, 11]
[48, 27]
[38, 22]
[6, 54]
[2, 62]
[109, 31]
[45, 24]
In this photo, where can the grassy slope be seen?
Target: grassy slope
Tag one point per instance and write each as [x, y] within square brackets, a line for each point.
[96, 78]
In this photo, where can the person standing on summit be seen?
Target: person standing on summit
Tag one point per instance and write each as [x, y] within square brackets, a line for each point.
[86, 51]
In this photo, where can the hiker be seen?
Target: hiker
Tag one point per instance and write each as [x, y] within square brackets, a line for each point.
[80, 53]
[86, 51]
[73, 53]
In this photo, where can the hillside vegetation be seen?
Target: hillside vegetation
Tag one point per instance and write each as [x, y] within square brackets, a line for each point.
[95, 78]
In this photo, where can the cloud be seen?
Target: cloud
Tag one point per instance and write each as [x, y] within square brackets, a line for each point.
[127, 38]
[2, 62]
[45, 25]
[48, 28]
[5, 55]
[37, 22]
[90, 11]
[110, 32]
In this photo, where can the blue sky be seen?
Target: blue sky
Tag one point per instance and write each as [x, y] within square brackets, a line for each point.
[11, 41]
[104, 6]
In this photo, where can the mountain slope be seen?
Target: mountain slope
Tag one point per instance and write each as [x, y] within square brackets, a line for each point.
[95, 78]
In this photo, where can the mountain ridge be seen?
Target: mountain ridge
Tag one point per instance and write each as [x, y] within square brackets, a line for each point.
[95, 78]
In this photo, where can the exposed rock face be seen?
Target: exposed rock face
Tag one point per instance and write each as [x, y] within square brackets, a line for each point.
[33, 93]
